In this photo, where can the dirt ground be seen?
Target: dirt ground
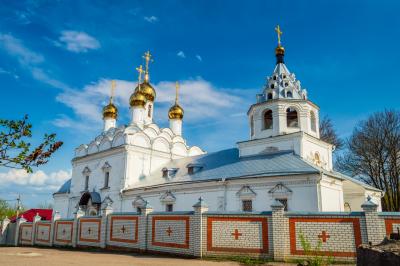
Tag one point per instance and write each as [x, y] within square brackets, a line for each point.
[26, 256]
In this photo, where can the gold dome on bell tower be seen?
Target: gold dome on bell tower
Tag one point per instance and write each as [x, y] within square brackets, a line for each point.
[110, 110]
[176, 111]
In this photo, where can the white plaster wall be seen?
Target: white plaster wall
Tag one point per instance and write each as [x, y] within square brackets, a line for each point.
[311, 145]
[61, 204]
[331, 195]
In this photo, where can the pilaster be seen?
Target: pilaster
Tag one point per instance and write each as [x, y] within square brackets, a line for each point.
[280, 231]
[144, 233]
[79, 213]
[375, 225]
[197, 227]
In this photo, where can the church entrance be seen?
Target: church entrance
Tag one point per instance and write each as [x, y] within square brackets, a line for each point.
[90, 203]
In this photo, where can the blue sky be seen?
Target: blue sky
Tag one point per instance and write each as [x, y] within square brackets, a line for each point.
[57, 59]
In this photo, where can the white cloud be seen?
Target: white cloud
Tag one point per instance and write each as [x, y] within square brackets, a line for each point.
[37, 180]
[181, 54]
[29, 60]
[77, 41]
[151, 19]
[199, 58]
[15, 48]
[200, 99]
[10, 73]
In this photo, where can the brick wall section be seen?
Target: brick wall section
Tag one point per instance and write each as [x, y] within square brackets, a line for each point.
[89, 231]
[123, 231]
[171, 233]
[63, 232]
[201, 233]
[43, 233]
[233, 234]
[338, 236]
[26, 234]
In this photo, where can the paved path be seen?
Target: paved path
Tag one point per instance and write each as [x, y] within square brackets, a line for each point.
[25, 256]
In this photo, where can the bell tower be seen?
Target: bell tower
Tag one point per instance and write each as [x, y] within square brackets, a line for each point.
[283, 118]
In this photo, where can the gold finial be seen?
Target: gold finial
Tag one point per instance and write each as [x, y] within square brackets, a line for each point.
[112, 90]
[176, 91]
[148, 58]
[140, 71]
[279, 32]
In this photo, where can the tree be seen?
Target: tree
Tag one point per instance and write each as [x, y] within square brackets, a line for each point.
[328, 133]
[373, 155]
[6, 210]
[15, 150]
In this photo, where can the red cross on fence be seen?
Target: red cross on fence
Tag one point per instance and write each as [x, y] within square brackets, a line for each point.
[169, 231]
[63, 231]
[236, 234]
[42, 232]
[89, 230]
[324, 236]
[123, 229]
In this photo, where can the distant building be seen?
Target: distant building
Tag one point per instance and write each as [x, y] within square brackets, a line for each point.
[284, 159]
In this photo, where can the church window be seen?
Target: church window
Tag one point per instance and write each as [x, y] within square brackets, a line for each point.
[191, 170]
[149, 111]
[284, 76]
[251, 126]
[268, 119]
[247, 205]
[86, 182]
[289, 94]
[165, 173]
[317, 158]
[313, 121]
[169, 207]
[269, 96]
[272, 86]
[274, 78]
[286, 84]
[284, 203]
[106, 179]
[139, 210]
[292, 119]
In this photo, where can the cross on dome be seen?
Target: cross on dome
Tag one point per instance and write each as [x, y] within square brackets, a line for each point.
[279, 33]
[148, 58]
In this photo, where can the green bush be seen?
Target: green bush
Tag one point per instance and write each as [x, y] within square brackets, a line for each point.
[312, 254]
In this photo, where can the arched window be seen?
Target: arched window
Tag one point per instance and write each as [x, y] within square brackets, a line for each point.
[291, 117]
[268, 119]
[149, 112]
[269, 97]
[251, 126]
[313, 121]
[289, 94]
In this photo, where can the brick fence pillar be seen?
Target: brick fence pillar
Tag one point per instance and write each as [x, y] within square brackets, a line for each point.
[18, 223]
[144, 231]
[375, 225]
[197, 227]
[4, 230]
[106, 211]
[36, 219]
[280, 231]
[79, 213]
[56, 217]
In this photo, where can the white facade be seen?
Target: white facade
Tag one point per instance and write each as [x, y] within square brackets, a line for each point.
[284, 159]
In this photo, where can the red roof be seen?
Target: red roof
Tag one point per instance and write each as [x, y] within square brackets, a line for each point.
[46, 214]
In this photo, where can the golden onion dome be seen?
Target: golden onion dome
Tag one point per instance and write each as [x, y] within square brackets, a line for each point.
[137, 99]
[279, 50]
[175, 112]
[110, 111]
[147, 90]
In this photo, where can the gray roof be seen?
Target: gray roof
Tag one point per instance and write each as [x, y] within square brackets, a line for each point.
[65, 187]
[227, 164]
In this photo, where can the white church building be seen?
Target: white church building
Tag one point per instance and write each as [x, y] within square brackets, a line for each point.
[141, 164]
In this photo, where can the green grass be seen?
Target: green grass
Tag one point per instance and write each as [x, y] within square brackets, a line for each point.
[244, 260]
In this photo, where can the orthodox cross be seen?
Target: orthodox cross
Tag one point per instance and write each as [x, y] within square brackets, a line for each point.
[324, 236]
[279, 32]
[89, 230]
[148, 58]
[112, 90]
[123, 229]
[236, 234]
[176, 91]
[140, 71]
[63, 231]
[169, 231]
